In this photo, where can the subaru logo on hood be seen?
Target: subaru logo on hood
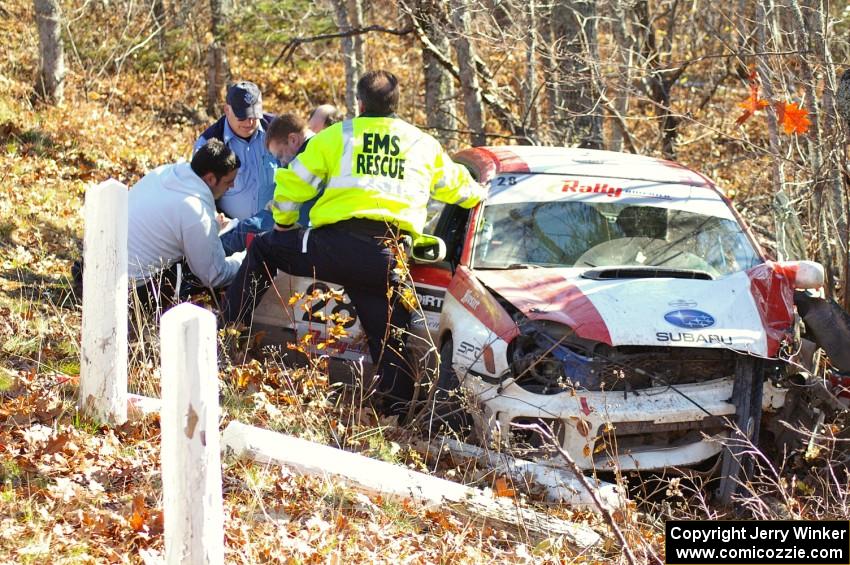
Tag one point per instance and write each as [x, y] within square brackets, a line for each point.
[690, 319]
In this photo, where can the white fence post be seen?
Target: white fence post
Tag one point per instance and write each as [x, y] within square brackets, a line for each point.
[103, 352]
[191, 461]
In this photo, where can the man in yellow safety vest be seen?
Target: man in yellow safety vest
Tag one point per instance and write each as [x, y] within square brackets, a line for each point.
[375, 174]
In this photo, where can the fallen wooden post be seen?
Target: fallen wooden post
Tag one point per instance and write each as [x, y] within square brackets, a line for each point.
[380, 478]
[103, 351]
[190, 449]
[139, 406]
[560, 484]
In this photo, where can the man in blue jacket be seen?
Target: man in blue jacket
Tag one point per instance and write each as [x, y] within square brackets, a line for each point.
[243, 129]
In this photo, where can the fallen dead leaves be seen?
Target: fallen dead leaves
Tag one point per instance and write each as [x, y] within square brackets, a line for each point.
[74, 480]
[75, 488]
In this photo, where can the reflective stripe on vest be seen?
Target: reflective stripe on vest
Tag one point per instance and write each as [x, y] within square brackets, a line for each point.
[304, 174]
[286, 206]
[347, 149]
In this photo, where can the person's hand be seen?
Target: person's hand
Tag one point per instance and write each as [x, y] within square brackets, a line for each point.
[222, 220]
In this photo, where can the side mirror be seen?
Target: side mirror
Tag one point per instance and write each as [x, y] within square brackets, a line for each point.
[428, 249]
[803, 274]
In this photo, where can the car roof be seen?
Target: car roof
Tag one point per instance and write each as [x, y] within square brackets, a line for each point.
[487, 162]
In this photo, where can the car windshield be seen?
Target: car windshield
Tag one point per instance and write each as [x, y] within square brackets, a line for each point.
[568, 233]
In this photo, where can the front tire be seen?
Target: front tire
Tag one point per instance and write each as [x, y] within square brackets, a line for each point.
[738, 459]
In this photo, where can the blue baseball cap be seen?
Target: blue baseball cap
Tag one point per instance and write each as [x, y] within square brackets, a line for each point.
[245, 100]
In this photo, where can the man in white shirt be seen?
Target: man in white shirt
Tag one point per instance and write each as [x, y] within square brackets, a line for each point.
[171, 221]
[172, 217]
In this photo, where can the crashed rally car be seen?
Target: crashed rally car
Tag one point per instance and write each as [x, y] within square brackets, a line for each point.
[618, 299]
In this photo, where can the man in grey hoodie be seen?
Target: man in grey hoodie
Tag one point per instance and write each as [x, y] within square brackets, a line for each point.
[172, 216]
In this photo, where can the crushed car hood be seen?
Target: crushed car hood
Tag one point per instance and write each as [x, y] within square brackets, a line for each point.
[719, 313]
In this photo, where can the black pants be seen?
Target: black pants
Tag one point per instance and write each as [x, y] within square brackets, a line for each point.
[353, 254]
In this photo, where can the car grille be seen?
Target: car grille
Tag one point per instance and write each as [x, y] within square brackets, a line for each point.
[635, 368]
[630, 368]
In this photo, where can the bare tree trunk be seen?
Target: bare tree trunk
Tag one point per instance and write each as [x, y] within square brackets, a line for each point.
[355, 10]
[349, 56]
[553, 106]
[574, 30]
[790, 243]
[529, 91]
[834, 128]
[660, 80]
[439, 85]
[625, 51]
[218, 70]
[51, 77]
[159, 16]
[472, 101]
[814, 145]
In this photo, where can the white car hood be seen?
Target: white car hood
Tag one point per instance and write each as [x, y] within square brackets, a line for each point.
[674, 312]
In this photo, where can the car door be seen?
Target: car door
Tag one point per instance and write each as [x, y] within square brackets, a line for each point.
[297, 307]
[432, 279]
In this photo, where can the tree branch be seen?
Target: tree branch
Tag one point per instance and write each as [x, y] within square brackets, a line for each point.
[289, 48]
[502, 112]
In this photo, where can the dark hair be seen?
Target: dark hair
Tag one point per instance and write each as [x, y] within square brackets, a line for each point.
[283, 125]
[378, 91]
[214, 157]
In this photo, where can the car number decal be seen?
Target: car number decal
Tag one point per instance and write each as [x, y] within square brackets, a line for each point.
[343, 307]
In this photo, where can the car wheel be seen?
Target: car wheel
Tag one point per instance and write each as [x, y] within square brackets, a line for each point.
[738, 458]
[449, 414]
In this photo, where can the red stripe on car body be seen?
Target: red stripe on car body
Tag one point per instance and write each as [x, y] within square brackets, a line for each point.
[428, 274]
[549, 296]
[508, 161]
[477, 301]
[491, 161]
[772, 289]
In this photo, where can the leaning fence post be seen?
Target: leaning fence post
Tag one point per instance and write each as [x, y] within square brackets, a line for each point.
[103, 351]
[191, 462]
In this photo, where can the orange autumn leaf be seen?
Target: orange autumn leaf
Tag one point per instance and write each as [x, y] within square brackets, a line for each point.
[752, 104]
[139, 516]
[137, 522]
[501, 488]
[793, 118]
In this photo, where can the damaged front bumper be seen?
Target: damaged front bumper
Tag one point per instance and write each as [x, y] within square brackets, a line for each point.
[647, 429]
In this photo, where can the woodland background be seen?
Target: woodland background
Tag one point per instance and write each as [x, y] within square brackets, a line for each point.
[748, 92]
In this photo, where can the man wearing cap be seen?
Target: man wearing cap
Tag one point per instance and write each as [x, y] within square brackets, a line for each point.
[243, 130]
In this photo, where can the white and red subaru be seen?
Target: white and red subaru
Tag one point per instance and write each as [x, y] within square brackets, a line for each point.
[618, 299]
